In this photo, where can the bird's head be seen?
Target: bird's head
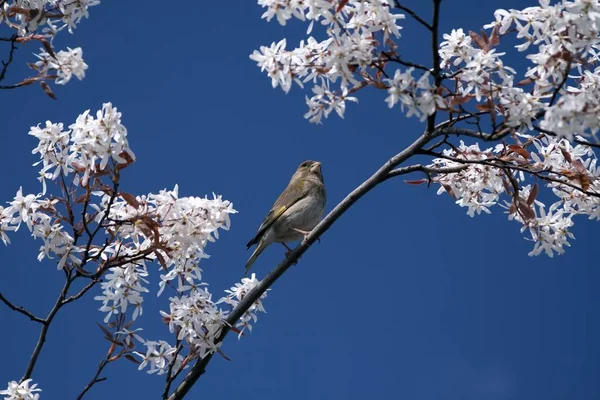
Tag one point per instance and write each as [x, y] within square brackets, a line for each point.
[310, 169]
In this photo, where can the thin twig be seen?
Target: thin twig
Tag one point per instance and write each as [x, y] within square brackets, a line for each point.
[96, 378]
[13, 47]
[562, 83]
[171, 378]
[81, 292]
[21, 310]
[413, 14]
[42, 338]
[401, 61]
[427, 170]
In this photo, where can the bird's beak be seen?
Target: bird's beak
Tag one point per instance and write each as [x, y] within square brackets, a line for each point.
[316, 166]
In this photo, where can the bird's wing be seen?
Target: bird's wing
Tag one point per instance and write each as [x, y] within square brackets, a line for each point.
[289, 197]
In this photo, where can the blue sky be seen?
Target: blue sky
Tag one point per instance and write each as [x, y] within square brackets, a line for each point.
[405, 297]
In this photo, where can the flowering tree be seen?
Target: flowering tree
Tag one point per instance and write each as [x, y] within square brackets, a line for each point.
[528, 148]
[41, 21]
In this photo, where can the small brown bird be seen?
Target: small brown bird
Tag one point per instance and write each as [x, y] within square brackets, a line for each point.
[295, 213]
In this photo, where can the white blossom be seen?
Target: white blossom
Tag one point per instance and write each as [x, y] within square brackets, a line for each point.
[21, 391]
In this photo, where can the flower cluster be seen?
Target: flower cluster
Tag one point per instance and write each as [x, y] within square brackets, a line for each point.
[42, 20]
[562, 42]
[123, 286]
[87, 148]
[570, 172]
[65, 64]
[478, 187]
[344, 56]
[418, 97]
[236, 294]
[21, 391]
[198, 322]
[124, 233]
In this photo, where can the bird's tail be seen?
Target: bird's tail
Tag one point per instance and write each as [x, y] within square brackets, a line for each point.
[259, 249]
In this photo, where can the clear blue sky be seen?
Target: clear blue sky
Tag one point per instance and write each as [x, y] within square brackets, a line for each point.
[406, 297]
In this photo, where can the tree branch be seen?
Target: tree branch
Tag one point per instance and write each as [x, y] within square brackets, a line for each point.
[378, 177]
[435, 57]
[82, 291]
[42, 338]
[21, 310]
[13, 47]
[405, 63]
[412, 14]
[96, 378]
[427, 170]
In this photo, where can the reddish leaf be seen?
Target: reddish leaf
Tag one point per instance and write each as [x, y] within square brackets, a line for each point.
[579, 166]
[519, 150]
[459, 100]
[116, 342]
[379, 85]
[566, 155]
[81, 198]
[526, 210]
[524, 82]
[495, 38]
[533, 194]
[485, 37]
[585, 182]
[106, 331]
[161, 260]
[449, 190]
[47, 90]
[223, 354]
[341, 5]
[130, 199]
[131, 358]
[479, 41]
[48, 47]
[236, 330]
[26, 82]
[416, 181]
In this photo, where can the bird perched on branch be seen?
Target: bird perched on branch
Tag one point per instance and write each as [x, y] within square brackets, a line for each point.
[295, 213]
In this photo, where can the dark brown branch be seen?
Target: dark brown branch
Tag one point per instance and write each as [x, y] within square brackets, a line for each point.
[170, 377]
[81, 292]
[435, 58]
[378, 177]
[472, 133]
[13, 47]
[21, 310]
[404, 62]
[96, 378]
[561, 84]
[413, 14]
[429, 171]
[42, 338]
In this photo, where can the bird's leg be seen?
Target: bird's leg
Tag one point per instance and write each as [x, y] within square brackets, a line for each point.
[287, 253]
[305, 233]
[288, 249]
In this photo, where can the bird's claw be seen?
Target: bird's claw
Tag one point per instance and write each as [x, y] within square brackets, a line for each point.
[287, 255]
[305, 234]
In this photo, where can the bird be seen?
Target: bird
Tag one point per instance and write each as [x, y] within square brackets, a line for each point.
[297, 210]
